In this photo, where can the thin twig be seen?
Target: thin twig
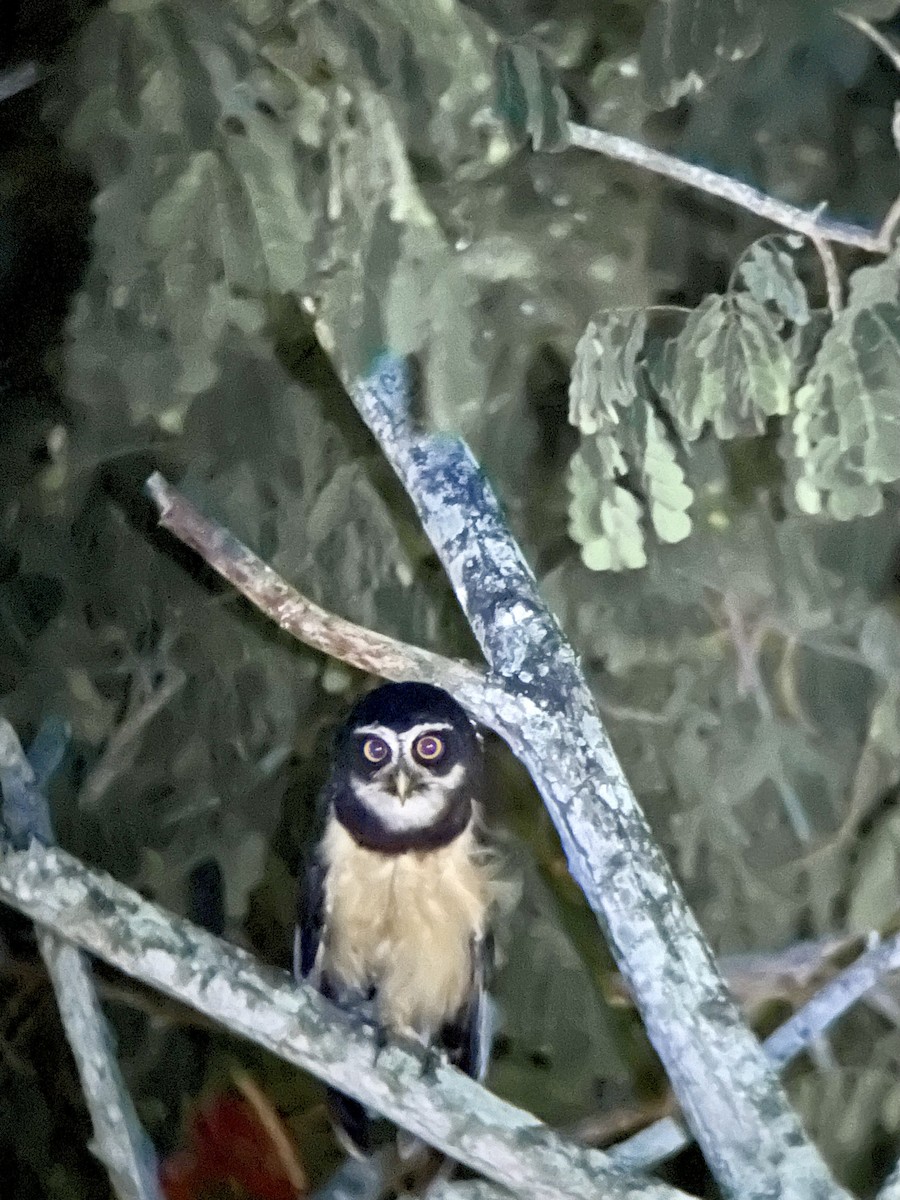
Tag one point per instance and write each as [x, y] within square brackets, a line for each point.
[281, 1144]
[874, 35]
[266, 1006]
[353, 644]
[813, 224]
[122, 747]
[891, 221]
[120, 1142]
[832, 1001]
[833, 286]
[752, 1140]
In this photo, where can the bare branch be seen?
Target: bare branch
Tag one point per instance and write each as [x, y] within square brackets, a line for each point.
[120, 1142]
[752, 1139]
[511, 711]
[266, 1006]
[813, 224]
[306, 621]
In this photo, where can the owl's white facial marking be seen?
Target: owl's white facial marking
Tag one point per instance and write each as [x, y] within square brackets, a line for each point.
[404, 794]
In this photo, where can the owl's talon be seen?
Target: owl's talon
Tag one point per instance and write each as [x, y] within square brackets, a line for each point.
[431, 1060]
[381, 1041]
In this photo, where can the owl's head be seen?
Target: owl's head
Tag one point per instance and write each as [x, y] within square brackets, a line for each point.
[407, 767]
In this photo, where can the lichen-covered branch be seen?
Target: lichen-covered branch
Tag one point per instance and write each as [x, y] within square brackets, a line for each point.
[306, 621]
[225, 983]
[667, 1137]
[814, 224]
[120, 1142]
[731, 1097]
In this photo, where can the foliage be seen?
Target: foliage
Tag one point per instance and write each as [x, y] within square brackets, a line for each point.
[700, 458]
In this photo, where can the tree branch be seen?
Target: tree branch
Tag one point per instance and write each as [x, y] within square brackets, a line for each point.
[753, 1141]
[813, 224]
[306, 621]
[874, 35]
[120, 1142]
[17, 79]
[266, 1006]
[834, 288]
[499, 707]
[667, 1137]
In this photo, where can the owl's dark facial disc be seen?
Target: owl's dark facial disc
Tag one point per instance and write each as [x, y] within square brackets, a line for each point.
[407, 765]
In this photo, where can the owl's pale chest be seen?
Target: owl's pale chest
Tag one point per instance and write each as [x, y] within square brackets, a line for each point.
[405, 923]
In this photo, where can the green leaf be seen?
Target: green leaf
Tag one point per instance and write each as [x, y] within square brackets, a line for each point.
[729, 367]
[874, 896]
[608, 403]
[687, 42]
[847, 425]
[767, 270]
[530, 97]
[606, 369]
[668, 496]
[603, 518]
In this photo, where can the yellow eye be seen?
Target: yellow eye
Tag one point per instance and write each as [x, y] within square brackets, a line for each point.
[376, 750]
[429, 748]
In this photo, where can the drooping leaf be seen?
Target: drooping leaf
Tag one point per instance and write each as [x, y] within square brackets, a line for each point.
[530, 97]
[609, 404]
[604, 519]
[687, 42]
[604, 376]
[668, 496]
[768, 272]
[847, 425]
[729, 367]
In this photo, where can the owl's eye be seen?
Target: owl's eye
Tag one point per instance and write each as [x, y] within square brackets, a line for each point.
[376, 750]
[429, 748]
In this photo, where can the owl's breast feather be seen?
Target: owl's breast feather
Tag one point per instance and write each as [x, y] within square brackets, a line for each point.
[405, 923]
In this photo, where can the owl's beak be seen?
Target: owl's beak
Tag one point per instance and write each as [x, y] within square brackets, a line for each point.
[402, 784]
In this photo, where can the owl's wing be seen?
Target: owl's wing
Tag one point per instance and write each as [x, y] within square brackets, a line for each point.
[468, 1038]
[351, 1120]
[310, 915]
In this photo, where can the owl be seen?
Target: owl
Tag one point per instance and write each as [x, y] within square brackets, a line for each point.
[395, 901]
